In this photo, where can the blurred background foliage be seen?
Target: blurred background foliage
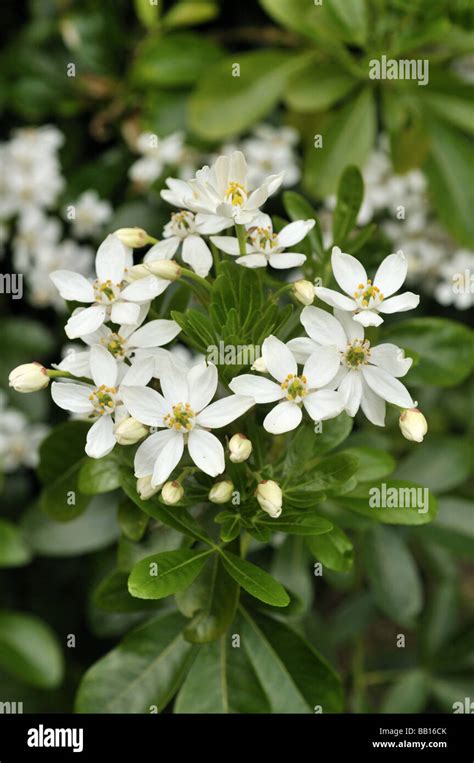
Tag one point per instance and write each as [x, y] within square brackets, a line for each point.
[164, 68]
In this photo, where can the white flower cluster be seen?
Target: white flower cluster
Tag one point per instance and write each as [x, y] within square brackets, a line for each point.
[132, 388]
[31, 184]
[19, 439]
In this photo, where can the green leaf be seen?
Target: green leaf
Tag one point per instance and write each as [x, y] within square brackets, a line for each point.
[189, 13]
[99, 475]
[439, 617]
[347, 139]
[453, 527]
[351, 17]
[224, 105]
[132, 521]
[328, 475]
[444, 350]
[393, 576]
[297, 523]
[444, 462]
[255, 581]
[162, 574]
[407, 503]
[29, 650]
[408, 694]
[449, 171]
[294, 676]
[112, 595]
[14, 550]
[210, 600]
[349, 198]
[142, 673]
[297, 208]
[334, 550]
[318, 86]
[231, 683]
[96, 528]
[176, 60]
[373, 464]
[291, 564]
[305, 440]
[61, 457]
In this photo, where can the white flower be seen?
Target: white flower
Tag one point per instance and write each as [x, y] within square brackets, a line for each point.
[368, 376]
[366, 299]
[130, 431]
[29, 377]
[102, 400]
[222, 191]
[264, 247]
[304, 291]
[185, 230]
[184, 414]
[271, 150]
[19, 440]
[240, 448]
[457, 281]
[111, 296]
[172, 492]
[91, 213]
[34, 232]
[157, 153]
[221, 492]
[270, 497]
[145, 489]
[413, 425]
[293, 389]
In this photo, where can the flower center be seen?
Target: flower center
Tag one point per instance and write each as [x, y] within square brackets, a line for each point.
[106, 291]
[263, 239]
[181, 225]
[357, 353]
[367, 292]
[115, 345]
[104, 399]
[236, 194]
[295, 387]
[182, 418]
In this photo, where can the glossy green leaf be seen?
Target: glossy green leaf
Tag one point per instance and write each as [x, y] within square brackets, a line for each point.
[392, 502]
[14, 550]
[408, 694]
[453, 527]
[162, 574]
[178, 59]
[61, 457]
[349, 199]
[133, 522]
[318, 86]
[334, 550]
[444, 462]
[29, 650]
[255, 581]
[373, 464]
[99, 475]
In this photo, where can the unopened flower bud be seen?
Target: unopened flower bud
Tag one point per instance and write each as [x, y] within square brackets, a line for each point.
[172, 493]
[240, 448]
[270, 497]
[145, 489]
[304, 292]
[133, 237]
[136, 272]
[168, 269]
[221, 492]
[30, 377]
[413, 424]
[259, 366]
[130, 431]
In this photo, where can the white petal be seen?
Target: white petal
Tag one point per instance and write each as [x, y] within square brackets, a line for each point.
[125, 312]
[302, 347]
[168, 459]
[103, 366]
[253, 261]
[202, 384]
[352, 328]
[323, 327]
[163, 250]
[373, 406]
[348, 271]
[196, 253]
[110, 260]
[260, 389]
[76, 363]
[174, 385]
[322, 366]
[399, 304]
[391, 358]
[324, 404]
[386, 386]
[100, 437]
[294, 232]
[145, 405]
[335, 298]
[286, 260]
[85, 321]
[283, 418]
[351, 391]
[72, 397]
[368, 318]
[391, 273]
[257, 198]
[278, 359]
[72, 286]
[238, 168]
[149, 451]
[224, 411]
[274, 182]
[140, 372]
[208, 224]
[207, 452]
[142, 290]
[154, 334]
[227, 244]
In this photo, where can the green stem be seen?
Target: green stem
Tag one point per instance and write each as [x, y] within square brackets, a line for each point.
[242, 237]
[194, 277]
[56, 374]
[152, 240]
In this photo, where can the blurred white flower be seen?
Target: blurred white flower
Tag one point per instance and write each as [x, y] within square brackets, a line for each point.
[157, 153]
[19, 440]
[91, 214]
[457, 281]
